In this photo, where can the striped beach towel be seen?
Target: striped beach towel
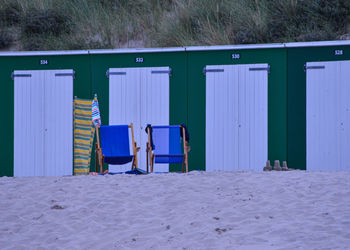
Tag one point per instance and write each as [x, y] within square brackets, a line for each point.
[96, 118]
[83, 136]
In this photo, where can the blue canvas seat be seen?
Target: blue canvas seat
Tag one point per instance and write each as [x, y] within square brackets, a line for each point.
[115, 145]
[164, 145]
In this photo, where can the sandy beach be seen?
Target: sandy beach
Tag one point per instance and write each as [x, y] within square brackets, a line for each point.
[198, 210]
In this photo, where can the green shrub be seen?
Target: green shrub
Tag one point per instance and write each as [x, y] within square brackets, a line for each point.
[40, 22]
[308, 20]
[5, 38]
[10, 13]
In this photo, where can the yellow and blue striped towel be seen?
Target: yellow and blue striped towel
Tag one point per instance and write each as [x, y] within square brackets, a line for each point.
[83, 136]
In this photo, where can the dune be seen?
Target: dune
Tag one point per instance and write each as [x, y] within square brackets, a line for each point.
[198, 210]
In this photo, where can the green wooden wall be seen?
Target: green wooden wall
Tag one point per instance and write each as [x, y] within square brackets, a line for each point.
[277, 97]
[297, 58]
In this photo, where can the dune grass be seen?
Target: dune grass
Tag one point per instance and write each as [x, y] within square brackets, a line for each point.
[86, 24]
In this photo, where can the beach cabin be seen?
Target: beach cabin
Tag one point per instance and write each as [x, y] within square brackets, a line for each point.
[237, 106]
[319, 105]
[141, 86]
[38, 90]
[242, 104]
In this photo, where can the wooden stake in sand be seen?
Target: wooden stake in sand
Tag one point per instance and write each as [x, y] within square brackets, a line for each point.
[277, 166]
[98, 153]
[284, 167]
[268, 166]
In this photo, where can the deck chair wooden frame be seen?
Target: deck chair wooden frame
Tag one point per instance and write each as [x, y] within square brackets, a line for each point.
[150, 155]
[99, 157]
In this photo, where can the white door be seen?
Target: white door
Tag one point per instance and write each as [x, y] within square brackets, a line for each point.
[236, 117]
[328, 115]
[124, 105]
[43, 123]
[139, 96]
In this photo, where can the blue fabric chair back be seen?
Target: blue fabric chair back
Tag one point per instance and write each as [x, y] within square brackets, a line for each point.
[167, 144]
[115, 144]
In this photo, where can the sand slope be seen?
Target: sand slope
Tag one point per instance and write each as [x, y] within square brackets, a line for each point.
[199, 210]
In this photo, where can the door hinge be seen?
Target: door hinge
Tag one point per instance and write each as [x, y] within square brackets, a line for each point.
[314, 67]
[108, 73]
[205, 70]
[169, 71]
[66, 74]
[261, 69]
[13, 75]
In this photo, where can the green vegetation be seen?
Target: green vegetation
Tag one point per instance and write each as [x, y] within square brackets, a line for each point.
[86, 24]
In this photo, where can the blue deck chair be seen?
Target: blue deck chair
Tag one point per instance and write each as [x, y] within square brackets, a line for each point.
[164, 146]
[115, 146]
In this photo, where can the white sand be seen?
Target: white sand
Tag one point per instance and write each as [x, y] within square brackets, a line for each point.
[221, 210]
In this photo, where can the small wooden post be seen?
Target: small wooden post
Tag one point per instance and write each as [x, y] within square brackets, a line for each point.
[149, 150]
[185, 148]
[99, 150]
[147, 156]
[152, 162]
[277, 166]
[134, 147]
[284, 166]
[268, 166]
[96, 157]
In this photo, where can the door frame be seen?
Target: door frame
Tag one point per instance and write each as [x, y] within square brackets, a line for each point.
[237, 120]
[43, 77]
[142, 79]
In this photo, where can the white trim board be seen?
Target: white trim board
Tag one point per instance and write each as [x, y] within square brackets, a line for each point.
[236, 47]
[270, 45]
[45, 53]
[137, 50]
[178, 49]
[317, 44]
